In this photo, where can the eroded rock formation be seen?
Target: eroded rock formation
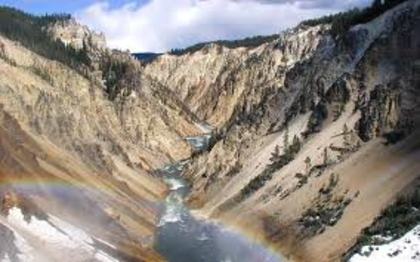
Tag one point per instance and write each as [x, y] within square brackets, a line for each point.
[313, 136]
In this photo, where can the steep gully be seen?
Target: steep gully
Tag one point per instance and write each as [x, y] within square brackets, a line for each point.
[181, 235]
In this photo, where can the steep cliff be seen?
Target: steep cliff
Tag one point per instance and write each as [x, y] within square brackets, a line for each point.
[79, 149]
[316, 134]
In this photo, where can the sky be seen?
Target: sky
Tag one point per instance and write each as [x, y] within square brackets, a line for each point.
[161, 25]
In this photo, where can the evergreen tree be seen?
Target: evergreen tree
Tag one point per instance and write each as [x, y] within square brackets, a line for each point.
[341, 22]
[29, 30]
[346, 135]
[308, 164]
[286, 139]
[325, 156]
[295, 147]
[275, 155]
[248, 42]
[377, 4]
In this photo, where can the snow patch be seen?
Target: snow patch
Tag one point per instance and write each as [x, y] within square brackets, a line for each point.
[68, 237]
[55, 237]
[406, 248]
[26, 251]
[104, 257]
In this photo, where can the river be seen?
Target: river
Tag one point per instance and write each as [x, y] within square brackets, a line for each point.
[183, 238]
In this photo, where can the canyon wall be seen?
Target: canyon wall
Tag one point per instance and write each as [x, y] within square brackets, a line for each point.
[312, 137]
[315, 135]
[69, 152]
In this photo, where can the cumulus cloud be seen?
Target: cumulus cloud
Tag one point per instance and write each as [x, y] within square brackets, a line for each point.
[327, 4]
[160, 25]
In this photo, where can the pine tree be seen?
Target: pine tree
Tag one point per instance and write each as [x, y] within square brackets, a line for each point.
[295, 147]
[325, 156]
[346, 137]
[29, 31]
[286, 139]
[275, 155]
[377, 4]
[308, 164]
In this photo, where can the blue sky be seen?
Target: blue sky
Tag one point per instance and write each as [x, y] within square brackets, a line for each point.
[59, 6]
[160, 25]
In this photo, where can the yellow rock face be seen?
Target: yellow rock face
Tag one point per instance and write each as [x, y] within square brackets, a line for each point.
[72, 154]
[82, 157]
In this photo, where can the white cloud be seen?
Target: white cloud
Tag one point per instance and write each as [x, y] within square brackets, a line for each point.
[328, 4]
[161, 25]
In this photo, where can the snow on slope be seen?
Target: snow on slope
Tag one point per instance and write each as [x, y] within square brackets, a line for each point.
[52, 239]
[404, 249]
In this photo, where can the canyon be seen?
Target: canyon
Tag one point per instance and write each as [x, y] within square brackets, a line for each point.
[300, 143]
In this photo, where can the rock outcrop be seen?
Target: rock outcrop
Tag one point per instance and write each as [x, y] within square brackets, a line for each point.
[218, 83]
[70, 32]
[82, 156]
[315, 135]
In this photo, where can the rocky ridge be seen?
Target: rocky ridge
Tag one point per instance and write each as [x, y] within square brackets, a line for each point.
[301, 122]
[312, 136]
[83, 155]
